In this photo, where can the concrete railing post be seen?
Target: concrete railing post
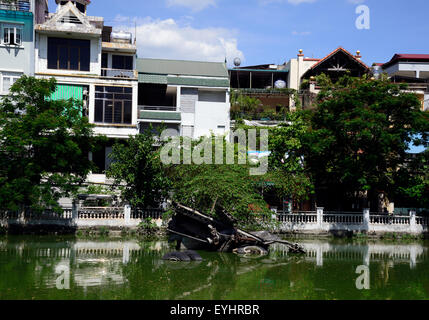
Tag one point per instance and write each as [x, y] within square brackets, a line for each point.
[413, 221]
[366, 219]
[320, 217]
[127, 213]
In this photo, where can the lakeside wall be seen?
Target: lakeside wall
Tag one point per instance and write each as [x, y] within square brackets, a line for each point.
[318, 222]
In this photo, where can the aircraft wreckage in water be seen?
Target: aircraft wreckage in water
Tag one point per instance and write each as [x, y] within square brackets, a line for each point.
[197, 231]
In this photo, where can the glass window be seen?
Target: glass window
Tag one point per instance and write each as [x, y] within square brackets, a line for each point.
[7, 83]
[127, 111]
[99, 106]
[113, 105]
[104, 60]
[74, 58]
[18, 36]
[7, 80]
[6, 36]
[69, 54]
[122, 62]
[12, 35]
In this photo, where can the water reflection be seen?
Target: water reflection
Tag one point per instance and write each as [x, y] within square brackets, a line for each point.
[135, 270]
[319, 251]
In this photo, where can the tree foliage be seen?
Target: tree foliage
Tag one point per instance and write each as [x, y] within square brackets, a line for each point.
[44, 146]
[288, 148]
[360, 134]
[211, 188]
[138, 172]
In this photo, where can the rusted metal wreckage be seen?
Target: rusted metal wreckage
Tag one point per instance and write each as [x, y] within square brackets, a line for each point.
[197, 231]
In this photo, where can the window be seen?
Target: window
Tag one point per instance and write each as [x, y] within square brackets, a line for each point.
[7, 79]
[69, 54]
[211, 96]
[12, 35]
[113, 105]
[104, 60]
[122, 62]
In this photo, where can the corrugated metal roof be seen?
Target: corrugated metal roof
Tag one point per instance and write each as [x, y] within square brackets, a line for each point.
[153, 115]
[200, 82]
[152, 78]
[182, 67]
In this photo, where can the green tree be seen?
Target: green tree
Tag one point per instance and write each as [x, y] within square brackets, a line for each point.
[243, 106]
[288, 170]
[44, 147]
[138, 172]
[359, 137]
[212, 188]
[414, 190]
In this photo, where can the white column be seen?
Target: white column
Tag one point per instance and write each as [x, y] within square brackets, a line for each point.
[320, 217]
[413, 221]
[127, 213]
[366, 219]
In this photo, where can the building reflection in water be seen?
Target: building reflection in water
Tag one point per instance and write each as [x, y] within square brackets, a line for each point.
[97, 263]
[319, 251]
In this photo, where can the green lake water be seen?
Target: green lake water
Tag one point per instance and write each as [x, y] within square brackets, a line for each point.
[67, 268]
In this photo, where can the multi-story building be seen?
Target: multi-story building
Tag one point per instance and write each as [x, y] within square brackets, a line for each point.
[263, 83]
[412, 69]
[191, 97]
[93, 63]
[266, 81]
[17, 19]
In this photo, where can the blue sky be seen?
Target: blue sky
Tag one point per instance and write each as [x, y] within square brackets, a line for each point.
[267, 31]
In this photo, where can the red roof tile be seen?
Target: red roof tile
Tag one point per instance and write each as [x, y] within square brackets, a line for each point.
[407, 57]
[334, 52]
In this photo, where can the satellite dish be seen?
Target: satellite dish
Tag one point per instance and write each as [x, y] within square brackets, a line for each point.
[237, 62]
[280, 84]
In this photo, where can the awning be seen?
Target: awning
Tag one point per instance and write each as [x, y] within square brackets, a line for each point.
[152, 78]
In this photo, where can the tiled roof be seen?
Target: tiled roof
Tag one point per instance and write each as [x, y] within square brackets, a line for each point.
[407, 57]
[152, 78]
[334, 52]
[199, 82]
[182, 67]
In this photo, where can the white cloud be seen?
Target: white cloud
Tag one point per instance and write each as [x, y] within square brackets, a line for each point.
[356, 1]
[301, 33]
[294, 2]
[194, 5]
[169, 39]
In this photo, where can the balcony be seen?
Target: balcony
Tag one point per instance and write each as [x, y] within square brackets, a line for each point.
[158, 108]
[18, 5]
[159, 113]
[118, 73]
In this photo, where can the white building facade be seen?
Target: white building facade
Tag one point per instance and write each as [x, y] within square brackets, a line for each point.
[190, 97]
[93, 63]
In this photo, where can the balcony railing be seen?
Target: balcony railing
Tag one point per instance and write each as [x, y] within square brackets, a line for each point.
[158, 108]
[18, 5]
[118, 73]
